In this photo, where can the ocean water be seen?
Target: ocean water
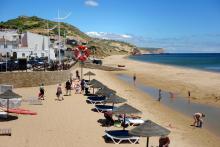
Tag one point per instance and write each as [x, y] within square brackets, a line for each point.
[202, 61]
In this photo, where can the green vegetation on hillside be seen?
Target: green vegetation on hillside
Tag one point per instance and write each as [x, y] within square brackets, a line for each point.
[100, 47]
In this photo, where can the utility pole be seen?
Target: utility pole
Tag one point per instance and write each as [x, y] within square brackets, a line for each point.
[48, 31]
[58, 22]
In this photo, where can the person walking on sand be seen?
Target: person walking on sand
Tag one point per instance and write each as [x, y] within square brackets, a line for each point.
[68, 88]
[59, 92]
[160, 96]
[134, 78]
[41, 93]
[77, 74]
[198, 119]
[82, 83]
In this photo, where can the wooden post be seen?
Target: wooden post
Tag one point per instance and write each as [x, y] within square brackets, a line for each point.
[147, 141]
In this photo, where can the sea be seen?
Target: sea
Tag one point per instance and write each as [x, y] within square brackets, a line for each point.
[201, 61]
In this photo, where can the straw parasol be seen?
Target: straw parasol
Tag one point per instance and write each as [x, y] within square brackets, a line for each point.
[105, 92]
[149, 129]
[89, 74]
[126, 109]
[9, 95]
[97, 85]
[93, 81]
[115, 99]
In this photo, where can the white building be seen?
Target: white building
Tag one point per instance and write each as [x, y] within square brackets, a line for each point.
[25, 45]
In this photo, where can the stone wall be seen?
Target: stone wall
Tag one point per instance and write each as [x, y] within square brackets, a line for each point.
[32, 79]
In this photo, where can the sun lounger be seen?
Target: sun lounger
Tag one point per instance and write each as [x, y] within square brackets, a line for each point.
[5, 131]
[96, 99]
[117, 136]
[104, 108]
[3, 114]
[35, 102]
[131, 121]
[134, 121]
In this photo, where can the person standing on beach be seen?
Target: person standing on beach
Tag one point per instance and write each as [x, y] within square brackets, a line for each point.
[164, 141]
[134, 78]
[41, 94]
[59, 92]
[198, 119]
[82, 83]
[68, 88]
[77, 74]
[160, 96]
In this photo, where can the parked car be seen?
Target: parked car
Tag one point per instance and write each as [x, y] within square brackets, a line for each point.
[97, 61]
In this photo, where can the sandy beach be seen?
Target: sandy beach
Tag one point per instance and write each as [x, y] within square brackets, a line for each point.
[72, 123]
[203, 85]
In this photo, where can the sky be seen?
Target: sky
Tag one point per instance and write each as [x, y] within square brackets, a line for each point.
[176, 25]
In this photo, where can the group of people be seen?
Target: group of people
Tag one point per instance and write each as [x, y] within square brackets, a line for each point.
[80, 87]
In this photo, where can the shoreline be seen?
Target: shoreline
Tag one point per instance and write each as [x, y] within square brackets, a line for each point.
[182, 134]
[203, 85]
[175, 66]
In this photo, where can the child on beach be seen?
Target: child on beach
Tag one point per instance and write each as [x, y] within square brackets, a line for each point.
[41, 93]
[164, 141]
[77, 88]
[198, 119]
[59, 92]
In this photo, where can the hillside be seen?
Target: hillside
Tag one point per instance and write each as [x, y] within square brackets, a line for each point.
[38, 25]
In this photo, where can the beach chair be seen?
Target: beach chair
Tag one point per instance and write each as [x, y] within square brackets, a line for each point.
[103, 108]
[5, 132]
[35, 102]
[134, 121]
[3, 114]
[117, 136]
[131, 121]
[96, 99]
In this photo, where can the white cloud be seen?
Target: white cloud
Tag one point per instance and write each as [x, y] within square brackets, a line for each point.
[126, 36]
[93, 34]
[91, 3]
[195, 43]
[112, 36]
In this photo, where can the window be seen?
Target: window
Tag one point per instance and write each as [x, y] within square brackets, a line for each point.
[23, 55]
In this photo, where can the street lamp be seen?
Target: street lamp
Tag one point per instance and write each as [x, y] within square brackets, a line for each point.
[58, 21]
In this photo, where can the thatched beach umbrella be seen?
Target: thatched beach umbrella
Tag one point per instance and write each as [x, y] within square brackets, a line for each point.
[10, 99]
[126, 109]
[89, 74]
[93, 81]
[149, 129]
[96, 84]
[105, 92]
[115, 99]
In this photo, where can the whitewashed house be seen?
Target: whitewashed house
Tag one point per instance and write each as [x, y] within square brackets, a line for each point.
[25, 45]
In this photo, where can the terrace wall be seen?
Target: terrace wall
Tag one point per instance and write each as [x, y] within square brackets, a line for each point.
[32, 79]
